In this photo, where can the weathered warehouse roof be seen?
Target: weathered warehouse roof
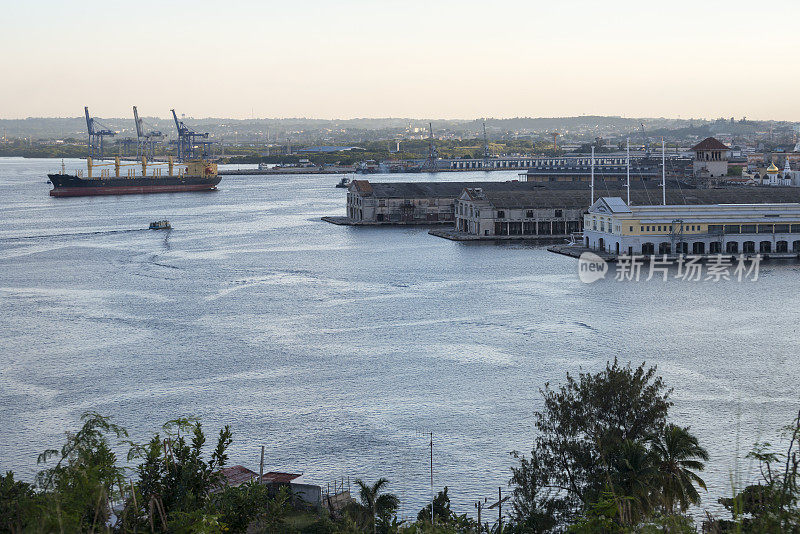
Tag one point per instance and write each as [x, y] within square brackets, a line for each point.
[454, 189]
[580, 198]
[576, 194]
[438, 189]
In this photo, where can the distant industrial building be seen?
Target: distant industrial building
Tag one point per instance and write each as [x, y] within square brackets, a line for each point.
[577, 167]
[613, 226]
[609, 168]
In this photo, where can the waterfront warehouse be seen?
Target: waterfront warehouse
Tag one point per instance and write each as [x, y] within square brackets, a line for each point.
[413, 202]
[612, 226]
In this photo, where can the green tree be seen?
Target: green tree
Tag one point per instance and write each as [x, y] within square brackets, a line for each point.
[273, 519]
[238, 506]
[579, 433]
[379, 506]
[773, 503]
[18, 505]
[79, 487]
[174, 477]
[633, 480]
[441, 509]
[680, 457]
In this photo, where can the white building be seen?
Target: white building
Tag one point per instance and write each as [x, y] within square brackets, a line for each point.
[612, 226]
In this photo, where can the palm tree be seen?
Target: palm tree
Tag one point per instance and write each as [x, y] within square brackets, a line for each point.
[679, 456]
[375, 502]
[634, 478]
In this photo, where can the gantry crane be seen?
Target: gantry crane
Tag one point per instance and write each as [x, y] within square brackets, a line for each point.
[145, 141]
[187, 141]
[433, 152]
[646, 142]
[96, 135]
[486, 152]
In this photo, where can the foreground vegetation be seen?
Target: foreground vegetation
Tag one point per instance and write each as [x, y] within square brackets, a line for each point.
[606, 458]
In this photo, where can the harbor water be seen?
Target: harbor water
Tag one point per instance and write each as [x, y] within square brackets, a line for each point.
[341, 348]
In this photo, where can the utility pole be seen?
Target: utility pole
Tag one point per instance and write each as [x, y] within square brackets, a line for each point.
[432, 496]
[663, 172]
[261, 469]
[499, 506]
[592, 202]
[500, 510]
[479, 506]
[486, 153]
[628, 162]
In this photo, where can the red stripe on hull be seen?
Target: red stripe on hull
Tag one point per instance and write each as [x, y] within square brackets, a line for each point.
[132, 190]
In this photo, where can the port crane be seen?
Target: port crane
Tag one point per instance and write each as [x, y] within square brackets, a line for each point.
[486, 152]
[646, 143]
[433, 152]
[145, 141]
[187, 140]
[96, 135]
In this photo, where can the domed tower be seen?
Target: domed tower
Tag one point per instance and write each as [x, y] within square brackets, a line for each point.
[772, 174]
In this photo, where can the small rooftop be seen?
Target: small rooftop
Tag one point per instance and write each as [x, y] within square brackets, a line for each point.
[238, 474]
[709, 143]
[281, 478]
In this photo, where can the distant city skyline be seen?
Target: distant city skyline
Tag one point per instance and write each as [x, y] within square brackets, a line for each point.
[446, 59]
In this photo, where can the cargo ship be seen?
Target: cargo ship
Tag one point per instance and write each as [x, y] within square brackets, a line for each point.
[195, 175]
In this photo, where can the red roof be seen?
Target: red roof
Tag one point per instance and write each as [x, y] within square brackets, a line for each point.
[274, 476]
[237, 474]
[709, 143]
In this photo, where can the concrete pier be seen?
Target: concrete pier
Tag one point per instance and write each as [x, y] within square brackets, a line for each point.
[575, 251]
[456, 235]
[347, 221]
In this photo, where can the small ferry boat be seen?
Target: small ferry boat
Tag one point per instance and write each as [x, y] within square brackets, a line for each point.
[344, 182]
[160, 225]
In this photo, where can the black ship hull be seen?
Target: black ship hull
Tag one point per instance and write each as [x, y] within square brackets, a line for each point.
[66, 185]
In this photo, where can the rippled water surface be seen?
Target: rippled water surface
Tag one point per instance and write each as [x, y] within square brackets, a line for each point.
[338, 347]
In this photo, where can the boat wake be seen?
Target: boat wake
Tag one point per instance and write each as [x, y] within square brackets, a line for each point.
[75, 234]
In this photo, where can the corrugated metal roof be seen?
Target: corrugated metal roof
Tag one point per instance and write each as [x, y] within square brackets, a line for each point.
[549, 198]
[576, 194]
[237, 475]
[616, 204]
[454, 189]
[281, 478]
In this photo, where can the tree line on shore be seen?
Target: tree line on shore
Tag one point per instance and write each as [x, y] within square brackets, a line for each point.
[606, 458]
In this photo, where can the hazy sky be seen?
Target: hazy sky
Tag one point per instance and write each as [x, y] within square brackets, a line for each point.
[438, 59]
